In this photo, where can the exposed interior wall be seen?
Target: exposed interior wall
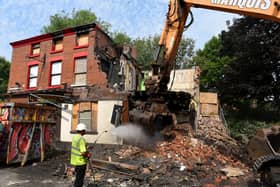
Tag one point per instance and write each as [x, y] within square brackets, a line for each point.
[104, 112]
[183, 80]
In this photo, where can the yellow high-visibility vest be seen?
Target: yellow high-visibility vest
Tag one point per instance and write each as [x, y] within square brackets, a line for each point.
[78, 147]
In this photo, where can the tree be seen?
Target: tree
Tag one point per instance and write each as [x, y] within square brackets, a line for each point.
[212, 63]
[120, 38]
[147, 47]
[254, 75]
[4, 74]
[64, 20]
[185, 54]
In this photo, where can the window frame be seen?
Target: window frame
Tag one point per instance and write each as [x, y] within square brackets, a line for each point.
[77, 46]
[30, 65]
[55, 74]
[54, 40]
[84, 106]
[90, 120]
[53, 60]
[79, 56]
[31, 54]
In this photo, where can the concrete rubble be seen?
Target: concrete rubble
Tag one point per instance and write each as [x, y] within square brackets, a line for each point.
[187, 160]
[190, 159]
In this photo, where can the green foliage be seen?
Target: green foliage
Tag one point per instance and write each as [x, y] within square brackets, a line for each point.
[239, 128]
[212, 63]
[254, 75]
[146, 48]
[243, 65]
[82, 17]
[185, 54]
[120, 38]
[246, 120]
[64, 20]
[4, 74]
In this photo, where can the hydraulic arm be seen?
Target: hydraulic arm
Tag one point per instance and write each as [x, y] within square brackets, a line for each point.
[175, 24]
[157, 107]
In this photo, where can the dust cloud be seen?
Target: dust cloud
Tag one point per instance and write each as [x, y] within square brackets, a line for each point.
[135, 135]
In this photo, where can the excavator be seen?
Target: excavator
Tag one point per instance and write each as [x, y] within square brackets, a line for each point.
[156, 108]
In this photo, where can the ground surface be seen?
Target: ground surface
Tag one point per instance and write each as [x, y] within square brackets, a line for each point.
[187, 160]
[32, 174]
[162, 173]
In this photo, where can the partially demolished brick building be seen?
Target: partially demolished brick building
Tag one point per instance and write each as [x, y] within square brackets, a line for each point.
[79, 71]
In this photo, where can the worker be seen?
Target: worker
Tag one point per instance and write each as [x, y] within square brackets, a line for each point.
[79, 154]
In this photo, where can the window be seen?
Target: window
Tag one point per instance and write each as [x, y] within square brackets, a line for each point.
[55, 78]
[82, 39]
[85, 117]
[80, 71]
[57, 44]
[85, 112]
[35, 49]
[33, 76]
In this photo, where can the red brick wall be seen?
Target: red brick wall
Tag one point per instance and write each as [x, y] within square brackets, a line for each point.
[17, 99]
[20, 60]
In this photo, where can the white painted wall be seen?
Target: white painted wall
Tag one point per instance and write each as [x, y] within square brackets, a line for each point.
[105, 109]
[183, 80]
[66, 121]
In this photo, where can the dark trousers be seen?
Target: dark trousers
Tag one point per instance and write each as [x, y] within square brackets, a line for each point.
[80, 175]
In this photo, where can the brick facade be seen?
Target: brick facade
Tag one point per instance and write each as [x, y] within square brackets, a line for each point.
[22, 59]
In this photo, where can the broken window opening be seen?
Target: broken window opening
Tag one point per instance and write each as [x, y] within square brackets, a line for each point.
[57, 44]
[35, 49]
[106, 67]
[116, 115]
[82, 39]
[112, 70]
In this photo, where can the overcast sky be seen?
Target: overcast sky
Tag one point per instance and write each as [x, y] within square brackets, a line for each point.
[21, 19]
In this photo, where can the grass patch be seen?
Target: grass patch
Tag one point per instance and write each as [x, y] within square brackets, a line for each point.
[246, 121]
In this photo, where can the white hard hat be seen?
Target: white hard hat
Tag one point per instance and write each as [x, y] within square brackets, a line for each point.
[81, 127]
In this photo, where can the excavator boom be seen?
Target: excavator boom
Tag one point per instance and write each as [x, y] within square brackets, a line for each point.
[267, 9]
[156, 99]
[175, 25]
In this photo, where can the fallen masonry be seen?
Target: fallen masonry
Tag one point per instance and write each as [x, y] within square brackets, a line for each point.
[189, 159]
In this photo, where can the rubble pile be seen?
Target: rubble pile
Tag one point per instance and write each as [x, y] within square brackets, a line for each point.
[183, 161]
[128, 152]
[213, 132]
[189, 150]
[198, 161]
[187, 160]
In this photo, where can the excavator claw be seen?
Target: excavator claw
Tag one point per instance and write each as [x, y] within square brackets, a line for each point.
[157, 113]
[264, 149]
